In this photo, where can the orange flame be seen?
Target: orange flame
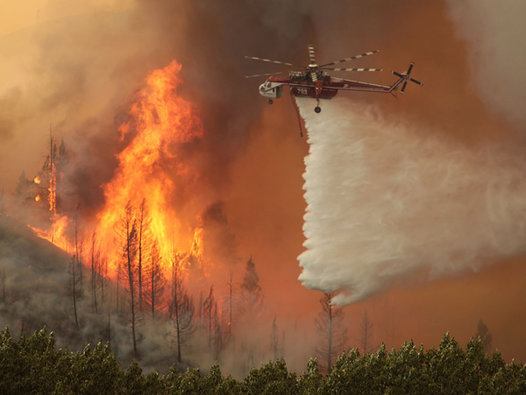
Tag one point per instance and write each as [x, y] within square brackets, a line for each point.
[52, 188]
[36, 180]
[56, 234]
[37, 198]
[162, 122]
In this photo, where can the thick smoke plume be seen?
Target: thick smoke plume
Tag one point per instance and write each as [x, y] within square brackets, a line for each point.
[495, 33]
[387, 202]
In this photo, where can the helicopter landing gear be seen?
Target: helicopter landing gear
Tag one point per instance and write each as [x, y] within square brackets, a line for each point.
[270, 101]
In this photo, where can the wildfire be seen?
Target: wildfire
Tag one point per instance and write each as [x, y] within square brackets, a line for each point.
[150, 170]
[52, 188]
[56, 234]
[37, 198]
[36, 180]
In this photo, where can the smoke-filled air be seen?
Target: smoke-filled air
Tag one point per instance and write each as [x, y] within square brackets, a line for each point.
[154, 199]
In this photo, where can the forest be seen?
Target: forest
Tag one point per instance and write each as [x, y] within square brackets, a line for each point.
[33, 364]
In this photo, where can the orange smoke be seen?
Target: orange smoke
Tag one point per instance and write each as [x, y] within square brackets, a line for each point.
[160, 123]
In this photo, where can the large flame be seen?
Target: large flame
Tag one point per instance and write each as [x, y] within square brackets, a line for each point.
[160, 122]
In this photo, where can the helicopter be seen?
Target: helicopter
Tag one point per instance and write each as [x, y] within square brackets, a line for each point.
[314, 81]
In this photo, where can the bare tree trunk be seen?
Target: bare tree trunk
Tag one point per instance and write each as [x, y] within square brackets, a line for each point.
[103, 267]
[177, 324]
[74, 290]
[93, 275]
[366, 328]
[129, 263]
[73, 276]
[139, 273]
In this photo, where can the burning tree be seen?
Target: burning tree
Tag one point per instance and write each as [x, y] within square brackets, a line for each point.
[155, 280]
[331, 330]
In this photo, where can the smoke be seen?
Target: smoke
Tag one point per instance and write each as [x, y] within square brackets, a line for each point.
[495, 33]
[387, 202]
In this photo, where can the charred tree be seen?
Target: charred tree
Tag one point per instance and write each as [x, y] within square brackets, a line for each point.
[209, 310]
[101, 276]
[74, 288]
[182, 306]
[154, 287]
[330, 327]
[95, 262]
[78, 256]
[142, 225]
[129, 254]
[366, 330]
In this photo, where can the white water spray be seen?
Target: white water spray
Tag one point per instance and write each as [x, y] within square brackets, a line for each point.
[385, 201]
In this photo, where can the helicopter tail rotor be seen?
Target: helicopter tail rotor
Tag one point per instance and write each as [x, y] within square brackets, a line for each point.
[407, 77]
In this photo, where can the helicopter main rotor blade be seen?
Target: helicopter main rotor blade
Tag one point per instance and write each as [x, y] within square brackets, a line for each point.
[351, 58]
[269, 60]
[403, 87]
[416, 82]
[262, 75]
[350, 69]
[312, 54]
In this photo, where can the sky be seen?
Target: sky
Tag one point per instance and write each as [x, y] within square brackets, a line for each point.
[75, 66]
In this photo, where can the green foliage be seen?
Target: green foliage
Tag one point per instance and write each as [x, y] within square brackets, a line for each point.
[34, 365]
[273, 378]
